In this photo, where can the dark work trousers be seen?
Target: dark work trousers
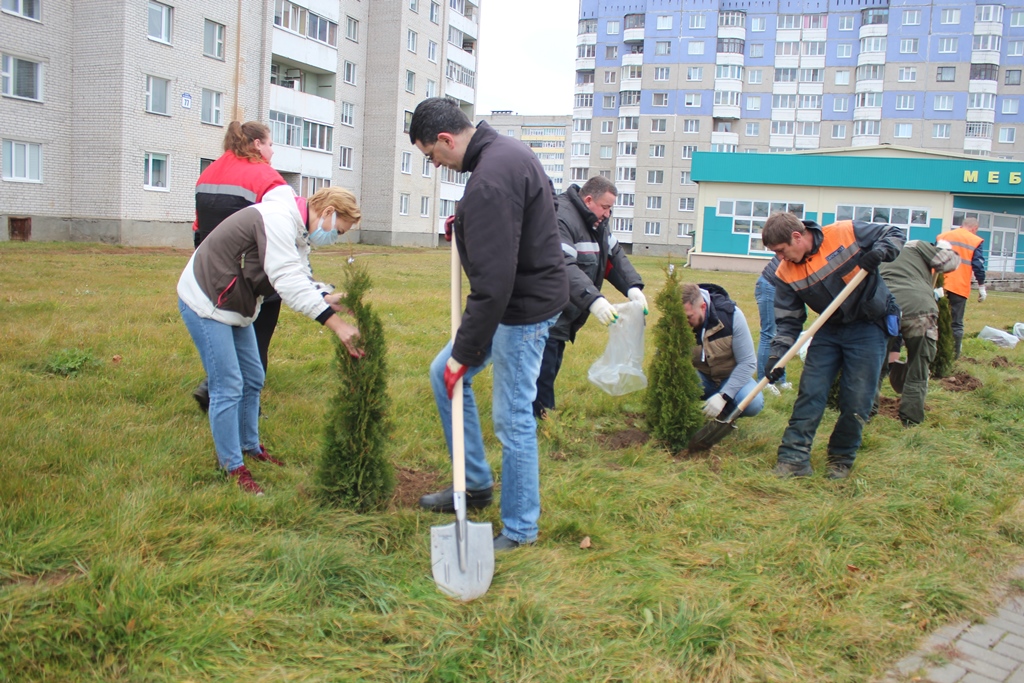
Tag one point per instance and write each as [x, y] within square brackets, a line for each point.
[920, 354]
[957, 305]
[550, 364]
[265, 324]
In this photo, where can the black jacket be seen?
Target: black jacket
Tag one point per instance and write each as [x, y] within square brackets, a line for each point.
[591, 254]
[507, 237]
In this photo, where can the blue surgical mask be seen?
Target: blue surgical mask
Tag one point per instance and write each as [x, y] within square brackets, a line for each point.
[321, 237]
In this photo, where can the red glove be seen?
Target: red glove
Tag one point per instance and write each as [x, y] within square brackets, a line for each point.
[453, 372]
[448, 223]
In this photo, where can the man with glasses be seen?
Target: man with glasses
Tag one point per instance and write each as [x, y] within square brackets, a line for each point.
[591, 254]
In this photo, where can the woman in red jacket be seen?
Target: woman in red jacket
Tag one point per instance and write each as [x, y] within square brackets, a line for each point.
[238, 179]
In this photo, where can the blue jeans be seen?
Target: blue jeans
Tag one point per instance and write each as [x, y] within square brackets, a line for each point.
[711, 388]
[232, 363]
[516, 352]
[857, 349]
[764, 294]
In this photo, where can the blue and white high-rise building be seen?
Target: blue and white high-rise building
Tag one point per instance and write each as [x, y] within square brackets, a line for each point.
[657, 80]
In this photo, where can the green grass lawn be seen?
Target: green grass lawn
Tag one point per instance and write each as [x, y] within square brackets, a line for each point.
[125, 556]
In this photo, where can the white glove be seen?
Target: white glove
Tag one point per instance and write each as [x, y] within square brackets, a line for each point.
[603, 311]
[943, 244]
[939, 293]
[636, 294]
[982, 293]
[714, 406]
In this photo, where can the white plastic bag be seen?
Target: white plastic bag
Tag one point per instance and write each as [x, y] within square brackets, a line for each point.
[998, 337]
[620, 369]
[1018, 330]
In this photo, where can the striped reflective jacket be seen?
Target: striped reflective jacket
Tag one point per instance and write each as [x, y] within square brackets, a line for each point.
[965, 243]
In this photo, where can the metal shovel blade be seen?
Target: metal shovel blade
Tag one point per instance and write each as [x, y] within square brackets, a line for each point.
[710, 434]
[464, 573]
[897, 376]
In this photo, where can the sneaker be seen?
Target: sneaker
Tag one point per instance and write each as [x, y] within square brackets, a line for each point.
[785, 386]
[785, 470]
[503, 543]
[202, 395]
[773, 390]
[836, 471]
[444, 501]
[244, 479]
[263, 456]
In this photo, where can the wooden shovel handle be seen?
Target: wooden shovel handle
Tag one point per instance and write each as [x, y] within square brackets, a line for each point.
[458, 430]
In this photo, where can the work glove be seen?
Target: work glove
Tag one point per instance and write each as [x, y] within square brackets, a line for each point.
[714, 406]
[603, 311]
[939, 293]
[636, 294]
[870, 260]
[773, 373]
[982, 293]
[448, 223]
[453, 372]
[943, 244]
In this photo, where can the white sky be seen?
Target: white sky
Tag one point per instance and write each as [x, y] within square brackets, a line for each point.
[527, 56]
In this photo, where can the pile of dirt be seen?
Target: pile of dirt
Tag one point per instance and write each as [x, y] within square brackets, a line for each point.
[889, 407]
[410, 485]
[961, 381]
[1001, 362]
[624, 438]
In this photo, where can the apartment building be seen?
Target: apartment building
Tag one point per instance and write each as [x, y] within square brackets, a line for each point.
[547, 136]
[110, 109]
[658, 80]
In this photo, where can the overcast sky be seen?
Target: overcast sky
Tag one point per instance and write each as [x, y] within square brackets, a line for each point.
[527, 57]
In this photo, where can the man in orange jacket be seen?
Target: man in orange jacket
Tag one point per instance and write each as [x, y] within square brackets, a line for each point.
[967, 245]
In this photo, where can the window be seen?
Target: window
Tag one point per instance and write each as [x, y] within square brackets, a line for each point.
[694, 73]
[580, 149]
[911, 17]
[608, 102]
[874, 44]
[945, 74]
[656, 151]
[285, 129]
[626, 173]
[581, 125]
[317, 136]
[947, 45]
[984, 72]
[695, 47]
[579, 173]
[813, 48]
[846, 23]
[308, 185]
[784, 48]
[841, 104]
[943, 103]
[455, 37]
[21, 78]
[753, 129]
[698, 21]
[654, 203]
[1017, 18]
[665, 23]
[612, 28]
[730, 46]
[290, 16]
[410, 81]
[907, 74]
[977, 129]
[632, 71]
[758, 24]
[411, 39]
[605, 152]
[425, 206]
[431, 89]
[940, 131]
[908, 46]
[684, 229]
[728, 97]
[756, 50]
[23, 161]
[838, 131]
[664, 47]
[627, 149]
[213, 39]
[661, 73]
[785, 75]
[988, 13]
[1011, 106]
[625, 199]
[156, 94]
[987, 42]
[659, 99]
[686, 203]
[815, 21]
[749, 216]
[652, 228]
[783, 101]
[903, 130]
[622, 225]
[352, 29]
[435, 13]
[349, 74]
[212, 101]
[753, 103]
[905, 102]
[1008, 134]
[844, 50]
[809, 102]
[808, 128]
[691, 125]
[901, 216]
[867, 127]
[659, 125]
[414, 5]
[688, 151]
[732, 19]
[981, 100]
[407, 123]
[406, 162]
[432, 51]
[843, 77]
[155, 176]
[25, 8]
[345, 158]
[611, 52]
[322, 30]
[1014, 48]
[159, 22]
[691, 99]
[729, 71]
[783, 127]
[403, 204]
[754, 76]
[609, 76]
[684, 178]
[812, 75]
[790, 21]
[607, 126]
[868, 99]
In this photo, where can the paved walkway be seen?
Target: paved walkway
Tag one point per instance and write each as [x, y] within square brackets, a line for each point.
[987, 652]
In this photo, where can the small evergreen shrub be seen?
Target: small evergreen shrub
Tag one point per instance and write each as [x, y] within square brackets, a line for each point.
[354, 469]
[674, 389]
[945, 352]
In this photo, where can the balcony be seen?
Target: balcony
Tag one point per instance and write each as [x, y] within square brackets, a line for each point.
[869, 85]
[584, 88]
[633, 35]
[725, 111]
[985, 57]
[870, 58]
[459, 91]
[302, 50]
[807, 142]
[725, 138]
[732, 32]
[983, 86]
[808, 115]
[629, 84]
[467, 26]
[874, 30]
[301, 104]
[990, 28]
[981, 115]
[586, 39]
[585, 63]
[811, 88]
[977, 144]
[867, 113]
[633, 59]
[730, 58]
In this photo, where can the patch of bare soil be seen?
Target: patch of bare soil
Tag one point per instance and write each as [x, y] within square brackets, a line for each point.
[623, 439]
[410, 485]
[47, 578]
[961, 381]
[1001, 362]
[965, 359]
[889, 407]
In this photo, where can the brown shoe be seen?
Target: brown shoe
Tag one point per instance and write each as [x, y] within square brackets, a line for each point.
[244, 479]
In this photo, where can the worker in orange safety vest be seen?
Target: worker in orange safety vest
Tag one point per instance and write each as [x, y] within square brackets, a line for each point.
[967, 245]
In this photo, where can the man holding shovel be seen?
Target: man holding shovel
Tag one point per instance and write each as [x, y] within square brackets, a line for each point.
[507, 238]
[816, 264]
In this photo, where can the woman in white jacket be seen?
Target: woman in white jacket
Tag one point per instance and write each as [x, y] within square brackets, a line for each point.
[253, 253]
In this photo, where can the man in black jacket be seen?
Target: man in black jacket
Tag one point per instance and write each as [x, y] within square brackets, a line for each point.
[506, 234]
[591, 254]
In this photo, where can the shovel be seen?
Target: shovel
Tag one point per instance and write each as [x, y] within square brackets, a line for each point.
[716, 430]
[461, 553]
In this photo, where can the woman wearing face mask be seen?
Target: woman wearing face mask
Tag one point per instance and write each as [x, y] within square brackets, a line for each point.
[254, 253]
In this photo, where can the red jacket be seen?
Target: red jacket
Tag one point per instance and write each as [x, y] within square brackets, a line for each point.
[228, 185]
